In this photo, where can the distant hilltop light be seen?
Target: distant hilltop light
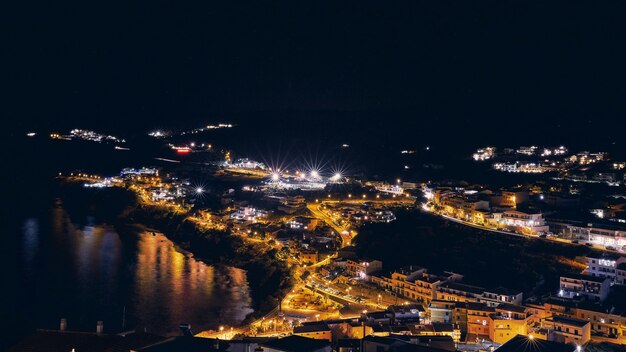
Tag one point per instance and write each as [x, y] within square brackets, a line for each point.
[345, 145]
[427, 147]
[31, 134]
[159, 134]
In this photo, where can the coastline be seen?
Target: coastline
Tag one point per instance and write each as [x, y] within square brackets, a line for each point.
[269, 279]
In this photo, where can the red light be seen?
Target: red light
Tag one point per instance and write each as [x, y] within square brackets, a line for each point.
[183, 150]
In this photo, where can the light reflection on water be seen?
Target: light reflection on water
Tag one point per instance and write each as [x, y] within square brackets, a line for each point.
[89, 273]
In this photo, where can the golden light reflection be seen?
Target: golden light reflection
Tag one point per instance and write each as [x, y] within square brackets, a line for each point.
[187, 288]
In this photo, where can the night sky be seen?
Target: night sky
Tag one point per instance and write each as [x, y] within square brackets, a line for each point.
[479, 65]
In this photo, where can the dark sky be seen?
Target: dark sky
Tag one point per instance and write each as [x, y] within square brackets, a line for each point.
[496, 62]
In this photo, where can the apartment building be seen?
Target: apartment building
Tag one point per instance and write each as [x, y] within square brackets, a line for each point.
[566, 330]
[581, 286]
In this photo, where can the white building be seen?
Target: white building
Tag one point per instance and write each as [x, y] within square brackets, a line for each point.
[604, 266]
[139, 172]
[245, 163]
[593, 288]
[516, 218]
[498, 295]
[362, 268]
[620, 274]
[248, 214]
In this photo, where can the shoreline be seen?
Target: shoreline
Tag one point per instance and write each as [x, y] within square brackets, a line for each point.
[269, 279]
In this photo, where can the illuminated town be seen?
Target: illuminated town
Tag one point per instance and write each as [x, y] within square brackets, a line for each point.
[391, 177]
[310, 219]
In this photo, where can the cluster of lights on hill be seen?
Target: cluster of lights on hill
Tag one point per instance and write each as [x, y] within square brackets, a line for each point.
[312, 175]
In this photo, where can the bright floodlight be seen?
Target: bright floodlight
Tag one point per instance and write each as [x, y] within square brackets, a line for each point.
[199, 190]
[275, 177]
[336, 177]
[315, 174]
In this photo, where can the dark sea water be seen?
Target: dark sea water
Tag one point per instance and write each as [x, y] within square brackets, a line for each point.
[61, 258]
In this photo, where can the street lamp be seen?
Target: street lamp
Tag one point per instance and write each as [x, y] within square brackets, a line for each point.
[222, 332]
[199, 190]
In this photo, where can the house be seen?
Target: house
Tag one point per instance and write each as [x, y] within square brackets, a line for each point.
[456, 291]
[531, 221]
[592, 288]
[407, 312]
[436, 329]
[498, 295]
[478, 319]
[441, 311]
[309, 256]
[415, 283]
[598, 234]
[604, 265]
[605, 324]
[426, 285]
[339, 262]
[320, 331]
[362, 268]
[358, 330]
[296, 343]
[507, 321]
[567, 330]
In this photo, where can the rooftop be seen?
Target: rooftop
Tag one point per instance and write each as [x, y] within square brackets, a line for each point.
[585, 277]
[296, 343]
[503, 291]
[479, 306]
[606, 256]
[408, 269]
[442, 327]
[311, 328]
[569, 321]
[521, 343]
[511, 308]
[462, 287]
[399, 308]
